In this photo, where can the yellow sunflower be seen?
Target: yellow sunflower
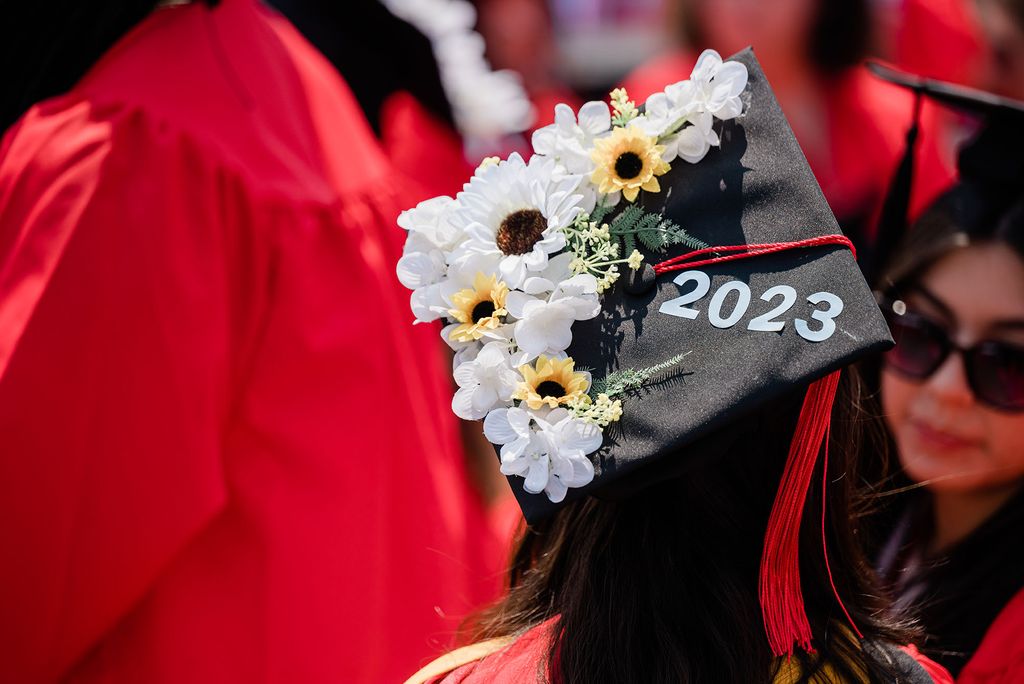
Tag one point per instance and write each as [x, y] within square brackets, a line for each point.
[551, 382]
[628, 160]
[478, 308]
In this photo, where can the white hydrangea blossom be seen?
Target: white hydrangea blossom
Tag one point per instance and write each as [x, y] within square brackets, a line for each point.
[683, 114]
[548, 449]
[485, 382]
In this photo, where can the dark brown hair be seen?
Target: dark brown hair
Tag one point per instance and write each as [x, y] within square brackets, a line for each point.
[662, 587]
[968, 214]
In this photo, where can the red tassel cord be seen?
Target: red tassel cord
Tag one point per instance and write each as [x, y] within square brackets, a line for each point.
[782, 602]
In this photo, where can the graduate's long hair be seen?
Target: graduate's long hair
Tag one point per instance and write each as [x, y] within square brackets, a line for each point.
[47, 46]
[663, 586]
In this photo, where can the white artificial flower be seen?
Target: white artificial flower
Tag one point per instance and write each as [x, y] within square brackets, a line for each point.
[429, 225]
[718, 84]
[545, 325]
[558, 269]
[510, 428]
[465, 353]
[515, 212]
[690, 107]
[677, 109]
[548, 449]
[569, 141]
[423, 266]
[486, 382]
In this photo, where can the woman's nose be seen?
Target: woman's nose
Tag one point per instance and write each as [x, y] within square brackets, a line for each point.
[949, 382]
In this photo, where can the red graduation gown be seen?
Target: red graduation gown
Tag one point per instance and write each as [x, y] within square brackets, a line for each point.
[1000, 656]
[525, 658]
[226, 455]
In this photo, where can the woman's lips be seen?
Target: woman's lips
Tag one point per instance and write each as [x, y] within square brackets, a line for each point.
[935, 438]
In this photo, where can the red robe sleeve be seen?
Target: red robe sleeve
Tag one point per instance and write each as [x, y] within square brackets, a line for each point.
[112, 373]
[1000, 657]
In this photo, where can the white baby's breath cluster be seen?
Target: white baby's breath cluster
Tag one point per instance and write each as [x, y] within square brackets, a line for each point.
[523, 252]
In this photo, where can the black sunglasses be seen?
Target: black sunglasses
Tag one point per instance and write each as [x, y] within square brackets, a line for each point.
[995, 370]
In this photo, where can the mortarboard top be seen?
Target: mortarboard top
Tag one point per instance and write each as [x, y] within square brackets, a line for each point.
[950, 94]
[746, 294]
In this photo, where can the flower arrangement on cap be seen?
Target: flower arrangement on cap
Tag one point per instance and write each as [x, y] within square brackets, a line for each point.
[528, 247]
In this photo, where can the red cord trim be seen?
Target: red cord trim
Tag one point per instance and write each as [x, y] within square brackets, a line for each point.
[690, 260]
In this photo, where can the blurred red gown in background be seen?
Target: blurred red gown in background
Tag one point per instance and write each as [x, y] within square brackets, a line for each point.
[226, 455]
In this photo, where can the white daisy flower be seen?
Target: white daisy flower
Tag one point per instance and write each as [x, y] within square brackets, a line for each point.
[569, 141]
[485, 383]
[544, 325]
[515, 212]
[548, 449]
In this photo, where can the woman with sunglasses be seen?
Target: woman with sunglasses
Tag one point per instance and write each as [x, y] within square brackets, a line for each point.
[952, 391]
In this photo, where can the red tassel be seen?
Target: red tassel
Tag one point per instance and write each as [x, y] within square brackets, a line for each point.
[782, 601]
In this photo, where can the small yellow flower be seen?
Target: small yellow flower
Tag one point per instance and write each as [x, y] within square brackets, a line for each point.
[628, 160]
[610, 410]
[624, 108]
[487, 163]
[602, 412]
[551, 382]
[478, 308]
[635, 259]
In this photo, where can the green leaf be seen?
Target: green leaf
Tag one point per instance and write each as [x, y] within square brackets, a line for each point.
[651, 234]
[622, 381]
[600, 212]
[629, 240]
[626, 221]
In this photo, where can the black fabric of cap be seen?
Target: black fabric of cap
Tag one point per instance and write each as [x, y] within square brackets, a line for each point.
[755, 188]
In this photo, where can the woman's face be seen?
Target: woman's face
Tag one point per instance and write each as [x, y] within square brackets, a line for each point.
[946, 438]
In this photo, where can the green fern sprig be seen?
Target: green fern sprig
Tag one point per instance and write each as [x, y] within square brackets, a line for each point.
[620, 382]
[654, 231]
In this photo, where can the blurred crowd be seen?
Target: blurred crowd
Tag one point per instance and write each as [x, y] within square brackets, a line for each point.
[173, 406]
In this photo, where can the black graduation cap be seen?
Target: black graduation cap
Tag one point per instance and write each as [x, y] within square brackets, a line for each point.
[991, 164]
[784, 317]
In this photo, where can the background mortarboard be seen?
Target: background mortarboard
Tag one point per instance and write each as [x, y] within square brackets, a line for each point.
[992, 161]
